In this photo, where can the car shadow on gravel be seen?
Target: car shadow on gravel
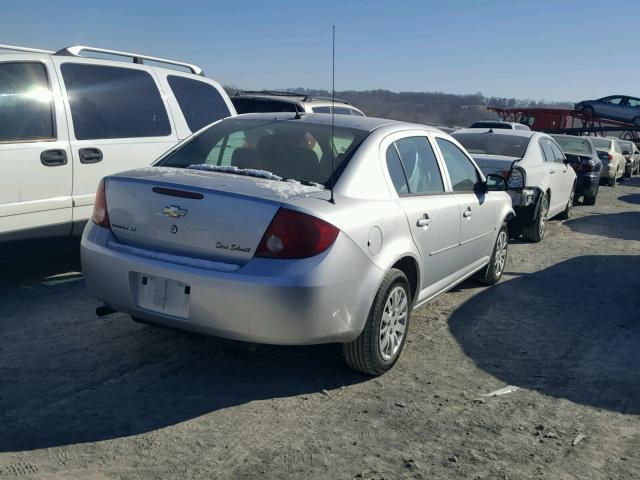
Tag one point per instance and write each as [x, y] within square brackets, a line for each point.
[570, 331]
[68, 377]
[624, 225]
[633, 198]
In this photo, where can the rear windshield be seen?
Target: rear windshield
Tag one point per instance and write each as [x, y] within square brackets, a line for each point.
[626, 146]
[506, 126]
[577, 146]
[493, 144]
[290, 149]
[601, 143]
[263, 105]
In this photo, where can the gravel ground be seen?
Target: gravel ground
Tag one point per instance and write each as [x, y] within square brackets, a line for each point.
[89, 398]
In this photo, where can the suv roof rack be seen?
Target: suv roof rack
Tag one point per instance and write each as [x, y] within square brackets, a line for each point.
[26, 49]
[76, 50]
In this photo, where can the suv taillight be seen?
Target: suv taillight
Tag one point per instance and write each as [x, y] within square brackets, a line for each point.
[296, 235]
[100, 214]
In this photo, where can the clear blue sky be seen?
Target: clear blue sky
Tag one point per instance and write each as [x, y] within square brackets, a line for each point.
[554, 50]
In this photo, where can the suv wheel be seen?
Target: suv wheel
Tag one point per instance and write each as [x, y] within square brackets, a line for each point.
[535, 232]
[493, 271]
[379, 345]
[566, 213]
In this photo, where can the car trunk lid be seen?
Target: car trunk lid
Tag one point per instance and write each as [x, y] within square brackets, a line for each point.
[496, 164]
[209, 215]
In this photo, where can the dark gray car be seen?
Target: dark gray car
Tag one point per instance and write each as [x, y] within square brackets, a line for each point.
[614, 107]
[583, 158]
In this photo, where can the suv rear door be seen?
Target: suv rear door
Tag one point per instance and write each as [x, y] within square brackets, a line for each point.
[35, 160]
[118, 120]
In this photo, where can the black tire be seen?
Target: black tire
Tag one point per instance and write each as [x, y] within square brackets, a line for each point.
[493, 271]
[627, 171]
[535, 232]
[365, 352]
[566, 213]
[590, 199]
[611, 181]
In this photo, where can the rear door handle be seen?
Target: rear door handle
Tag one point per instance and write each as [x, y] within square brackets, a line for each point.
[424, 220]
[467, 213]
[552, 171]
[53, 158]
[90, 155]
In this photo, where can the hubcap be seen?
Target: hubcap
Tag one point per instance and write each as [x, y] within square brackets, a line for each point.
[393, 323]
[543, 216]
[501, 253]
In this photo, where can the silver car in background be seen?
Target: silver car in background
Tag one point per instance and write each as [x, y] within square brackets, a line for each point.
[291, 230]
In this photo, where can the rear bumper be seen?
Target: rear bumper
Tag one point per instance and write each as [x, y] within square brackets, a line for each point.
[322, 299]
[587, 184]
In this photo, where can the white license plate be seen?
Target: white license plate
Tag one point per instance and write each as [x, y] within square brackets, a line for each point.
[161, 295]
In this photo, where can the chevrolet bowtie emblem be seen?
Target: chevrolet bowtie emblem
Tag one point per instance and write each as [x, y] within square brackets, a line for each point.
[174, 211]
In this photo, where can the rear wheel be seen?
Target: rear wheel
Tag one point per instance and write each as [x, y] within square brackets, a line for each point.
[493, 271]
[627, 171]
[611, 181]
[591, 199]
[535, 232]
[566, 213]
[379, 345]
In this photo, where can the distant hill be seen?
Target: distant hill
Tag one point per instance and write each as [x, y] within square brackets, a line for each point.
[425, 107]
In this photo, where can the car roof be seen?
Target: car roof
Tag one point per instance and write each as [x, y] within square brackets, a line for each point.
[579, 137]
[288, 97]
[367, 124]
[499, 131]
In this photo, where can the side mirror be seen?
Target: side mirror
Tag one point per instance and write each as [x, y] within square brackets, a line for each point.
[496, 183]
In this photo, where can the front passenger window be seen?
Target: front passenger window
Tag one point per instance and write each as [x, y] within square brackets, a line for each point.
[464, 176]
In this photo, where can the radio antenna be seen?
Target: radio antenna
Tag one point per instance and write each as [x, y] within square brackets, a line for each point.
[333, 105]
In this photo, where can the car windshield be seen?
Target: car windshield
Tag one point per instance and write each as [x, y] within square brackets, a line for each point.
[290, 149]
[601, 143]
[494, 144]
[503, 125]
[577, 146]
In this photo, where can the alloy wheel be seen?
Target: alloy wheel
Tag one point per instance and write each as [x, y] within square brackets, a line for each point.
[501, 253]
[544, 209]
[393, 323]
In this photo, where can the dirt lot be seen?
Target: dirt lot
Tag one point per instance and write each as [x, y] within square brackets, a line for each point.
[89, 398]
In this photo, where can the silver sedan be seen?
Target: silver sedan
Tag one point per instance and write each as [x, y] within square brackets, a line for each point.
[290, 230]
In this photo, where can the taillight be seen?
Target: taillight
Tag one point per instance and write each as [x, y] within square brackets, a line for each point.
[609, 157]
[516, 178]
[585, 167]
[100, 214]
[296, 235]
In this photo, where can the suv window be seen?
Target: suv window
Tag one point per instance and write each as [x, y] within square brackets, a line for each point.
[420, 165]
[396, 172]
[26, 110]
[464, 176]
[547, 152]
[201, 103]
[113, 102]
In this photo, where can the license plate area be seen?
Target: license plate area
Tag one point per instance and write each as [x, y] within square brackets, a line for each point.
[161, 295]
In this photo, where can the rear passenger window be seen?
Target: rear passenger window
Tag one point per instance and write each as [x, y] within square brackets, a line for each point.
[396, 172]
[463, 175]
[420, 165]
[547, 152]
[201, 103]
[557, 153]
[26, 110]
[112, 102]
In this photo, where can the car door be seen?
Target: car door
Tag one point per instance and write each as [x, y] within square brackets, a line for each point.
[433, 214]
[564, 176]
[35, 167]
[118, 121]
[553, 174]
[478, 208]
[611, 107]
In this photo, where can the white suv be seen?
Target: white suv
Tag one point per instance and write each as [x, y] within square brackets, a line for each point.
[67, 120]
[541, 184]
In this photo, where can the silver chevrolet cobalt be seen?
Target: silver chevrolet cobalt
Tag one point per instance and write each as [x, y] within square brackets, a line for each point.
[289, 229]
